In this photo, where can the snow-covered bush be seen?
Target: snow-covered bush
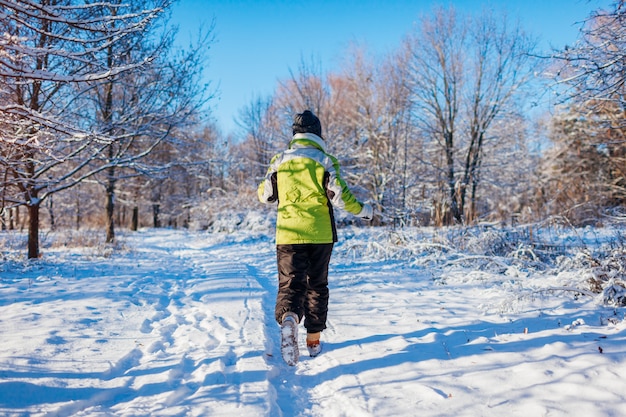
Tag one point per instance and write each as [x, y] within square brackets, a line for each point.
[590, 261]
[614, 293]
[252, 221]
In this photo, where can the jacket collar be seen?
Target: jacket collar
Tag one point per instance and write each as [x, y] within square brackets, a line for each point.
[307, 140]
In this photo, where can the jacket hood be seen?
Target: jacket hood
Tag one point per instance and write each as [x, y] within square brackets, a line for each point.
[307, 140]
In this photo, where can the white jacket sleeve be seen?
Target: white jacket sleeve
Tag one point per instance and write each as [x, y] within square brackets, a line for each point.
[268, 190]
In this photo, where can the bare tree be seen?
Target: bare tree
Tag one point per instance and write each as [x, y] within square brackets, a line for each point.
[591, 75]
[52, 52]
[465, 74]
[369, 107]
[305, 89]
[575, 172]
[436, 65]
[257, 122]
[593, 70]
[196, 173]
[140, 110]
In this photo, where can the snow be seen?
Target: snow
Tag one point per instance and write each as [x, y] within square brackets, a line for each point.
[427, 322]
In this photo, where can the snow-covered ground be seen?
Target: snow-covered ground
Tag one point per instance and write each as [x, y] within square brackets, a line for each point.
[422, 322]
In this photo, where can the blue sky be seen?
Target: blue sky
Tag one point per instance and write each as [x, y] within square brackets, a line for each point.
[258, 42]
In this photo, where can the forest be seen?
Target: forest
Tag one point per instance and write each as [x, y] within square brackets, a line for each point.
[105, 123]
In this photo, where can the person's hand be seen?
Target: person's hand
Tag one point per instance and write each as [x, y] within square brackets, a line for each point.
[367, 212]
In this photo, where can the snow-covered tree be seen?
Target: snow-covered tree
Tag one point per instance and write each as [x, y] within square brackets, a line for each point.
[148, 110]
[593, 69]
[89, 90]
[259, 128]
[575, 173]
[591, 76]
[53, 52]
[369, 108]
[465, 74]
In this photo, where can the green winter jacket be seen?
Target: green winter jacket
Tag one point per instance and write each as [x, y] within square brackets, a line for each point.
[306, 183]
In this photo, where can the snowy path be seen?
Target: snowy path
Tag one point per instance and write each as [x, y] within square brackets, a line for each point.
[182, 325]
[173, 329]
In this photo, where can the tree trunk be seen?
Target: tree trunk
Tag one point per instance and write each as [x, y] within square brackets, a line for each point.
[78, 217]
[156, 209]
[51, 211]
[135, 221]
[121, 216]
[471, 217]
[33, 230]
[110, 205]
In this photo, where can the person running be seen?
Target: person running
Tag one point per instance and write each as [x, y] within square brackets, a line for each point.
[305, 182]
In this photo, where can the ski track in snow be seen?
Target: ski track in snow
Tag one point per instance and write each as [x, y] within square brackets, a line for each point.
[183, 325]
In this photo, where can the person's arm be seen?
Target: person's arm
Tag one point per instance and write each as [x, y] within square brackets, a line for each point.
[341, 196]
[268, 188]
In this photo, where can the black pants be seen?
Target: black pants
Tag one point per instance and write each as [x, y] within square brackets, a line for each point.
[303, 283]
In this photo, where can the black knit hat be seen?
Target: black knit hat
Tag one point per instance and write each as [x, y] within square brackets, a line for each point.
[307, 122]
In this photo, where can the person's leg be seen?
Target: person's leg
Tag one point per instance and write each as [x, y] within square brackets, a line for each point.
[316, 304]
[292, 275]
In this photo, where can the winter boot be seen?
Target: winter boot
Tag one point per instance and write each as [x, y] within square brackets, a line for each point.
[289, 339]
[313, 344]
